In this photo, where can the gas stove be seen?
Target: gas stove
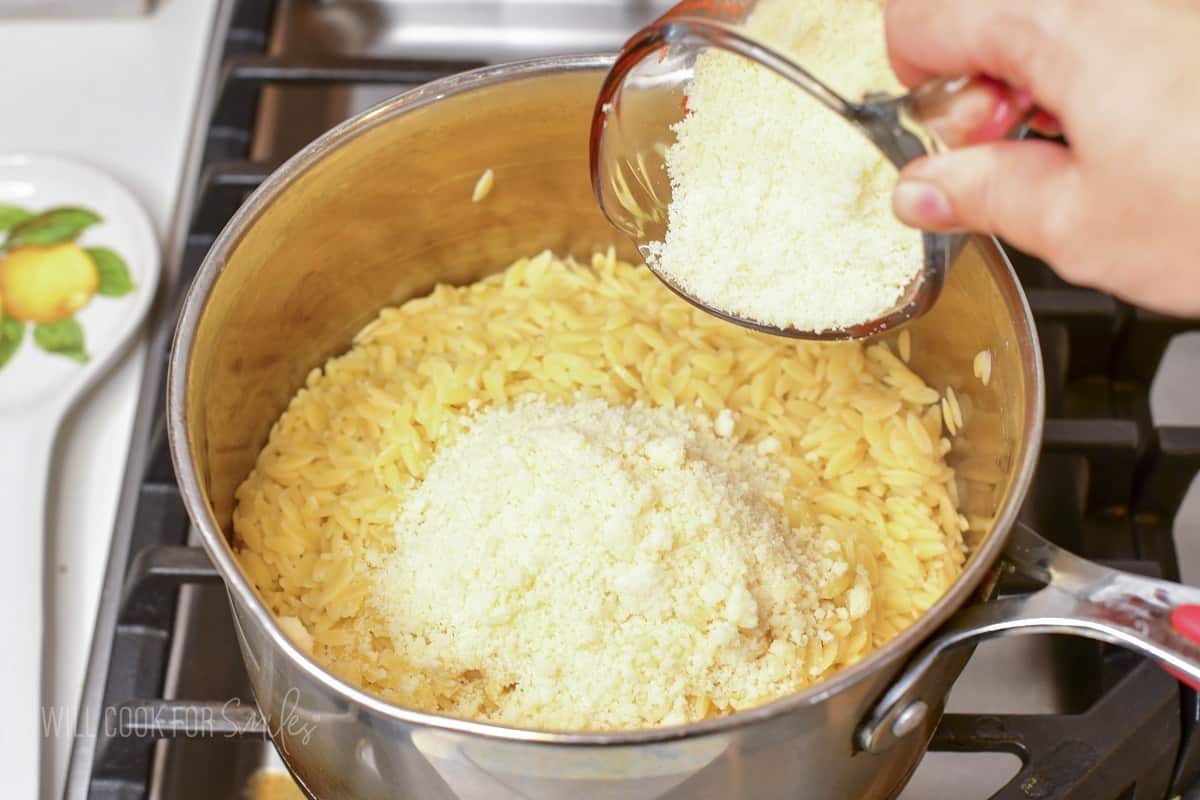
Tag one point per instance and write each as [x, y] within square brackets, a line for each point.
[167, 711]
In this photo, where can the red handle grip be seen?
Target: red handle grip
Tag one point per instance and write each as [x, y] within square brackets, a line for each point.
[1186, 622]
[965, 112]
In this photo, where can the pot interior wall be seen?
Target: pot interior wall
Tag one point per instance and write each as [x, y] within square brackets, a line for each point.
[384, 215]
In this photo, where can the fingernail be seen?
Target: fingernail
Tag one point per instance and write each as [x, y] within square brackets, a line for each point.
[922, 205]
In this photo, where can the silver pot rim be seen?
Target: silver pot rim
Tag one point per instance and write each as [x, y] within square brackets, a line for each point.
[243, 593]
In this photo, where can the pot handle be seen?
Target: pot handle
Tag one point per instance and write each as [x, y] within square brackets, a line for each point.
[1156, 618]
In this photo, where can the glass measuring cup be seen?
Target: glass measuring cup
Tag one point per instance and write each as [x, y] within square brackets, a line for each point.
[645, 94]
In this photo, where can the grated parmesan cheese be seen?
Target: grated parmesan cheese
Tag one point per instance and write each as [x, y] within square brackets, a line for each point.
[780, 210]
[586, 565]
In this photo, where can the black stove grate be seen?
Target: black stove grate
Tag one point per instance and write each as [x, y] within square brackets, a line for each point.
[1108, 488]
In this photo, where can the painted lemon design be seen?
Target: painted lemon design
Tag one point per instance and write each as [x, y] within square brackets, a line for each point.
[47, 284]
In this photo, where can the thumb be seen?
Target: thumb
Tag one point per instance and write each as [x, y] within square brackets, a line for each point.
[1021, 191]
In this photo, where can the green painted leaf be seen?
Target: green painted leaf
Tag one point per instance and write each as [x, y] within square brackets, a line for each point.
[55, 226]
[11, 333]
[64, 337]
[114, 275]
[12, 215]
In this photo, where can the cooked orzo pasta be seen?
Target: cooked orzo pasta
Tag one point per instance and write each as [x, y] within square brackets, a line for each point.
[857, 435]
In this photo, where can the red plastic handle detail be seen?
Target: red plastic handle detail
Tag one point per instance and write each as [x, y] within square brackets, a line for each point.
[971, 111]
[1009, 107]
[1186, 622]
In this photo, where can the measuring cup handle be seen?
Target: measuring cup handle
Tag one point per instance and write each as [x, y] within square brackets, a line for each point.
[966, 111]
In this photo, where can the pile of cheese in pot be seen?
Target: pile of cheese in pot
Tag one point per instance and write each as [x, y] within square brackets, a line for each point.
[612, 566]
[780, 209]
[561, 497]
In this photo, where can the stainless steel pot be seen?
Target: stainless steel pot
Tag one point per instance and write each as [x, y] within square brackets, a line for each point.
[377, 211]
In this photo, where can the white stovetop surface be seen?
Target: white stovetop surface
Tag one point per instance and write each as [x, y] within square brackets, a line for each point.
[118, 94]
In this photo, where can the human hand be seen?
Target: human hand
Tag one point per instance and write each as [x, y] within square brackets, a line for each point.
[1118, 208]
